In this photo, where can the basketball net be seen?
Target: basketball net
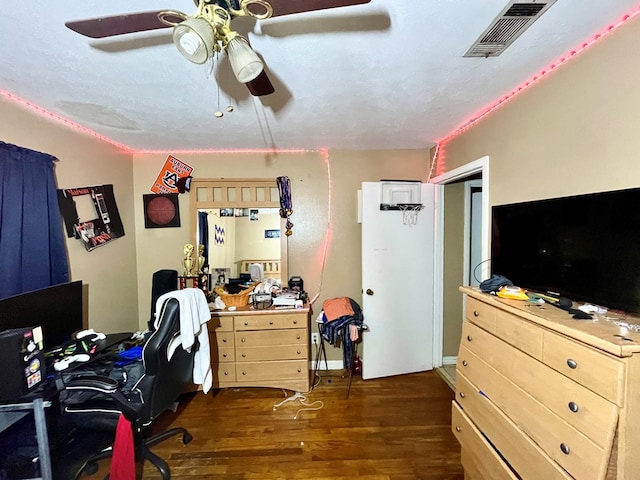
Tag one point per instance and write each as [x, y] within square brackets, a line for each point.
[410, 214]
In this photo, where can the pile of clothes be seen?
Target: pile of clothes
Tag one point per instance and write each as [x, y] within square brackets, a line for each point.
[341, 322]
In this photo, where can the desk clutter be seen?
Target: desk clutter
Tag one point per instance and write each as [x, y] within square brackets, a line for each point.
[260, 295]
[84, 346]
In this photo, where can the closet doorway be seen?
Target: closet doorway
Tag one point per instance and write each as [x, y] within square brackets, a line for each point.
[461, 250]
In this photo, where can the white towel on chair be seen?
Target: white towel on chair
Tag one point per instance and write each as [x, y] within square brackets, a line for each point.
[194, 315]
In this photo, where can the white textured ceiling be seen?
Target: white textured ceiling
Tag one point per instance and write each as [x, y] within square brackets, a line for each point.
[385, 75]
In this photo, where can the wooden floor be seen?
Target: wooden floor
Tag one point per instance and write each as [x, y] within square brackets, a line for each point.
[395, 428]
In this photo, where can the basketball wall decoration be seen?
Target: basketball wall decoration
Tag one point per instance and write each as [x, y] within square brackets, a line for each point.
[161, 210]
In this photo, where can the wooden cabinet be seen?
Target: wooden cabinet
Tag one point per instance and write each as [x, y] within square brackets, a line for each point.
[260, 348]
[540, 395]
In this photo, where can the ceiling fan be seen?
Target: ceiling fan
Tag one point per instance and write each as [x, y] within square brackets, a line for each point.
[200, 36]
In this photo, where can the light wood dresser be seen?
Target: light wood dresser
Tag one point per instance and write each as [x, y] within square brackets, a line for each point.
[260, 348]
[543, 396]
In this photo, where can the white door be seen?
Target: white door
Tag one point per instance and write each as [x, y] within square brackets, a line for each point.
[397, 286]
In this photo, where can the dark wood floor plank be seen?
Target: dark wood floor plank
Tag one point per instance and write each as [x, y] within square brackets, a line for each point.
[395, 428]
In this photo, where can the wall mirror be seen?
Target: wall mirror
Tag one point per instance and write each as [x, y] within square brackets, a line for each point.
[244, 226]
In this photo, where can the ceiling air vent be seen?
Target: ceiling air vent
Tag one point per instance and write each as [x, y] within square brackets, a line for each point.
[506, 27]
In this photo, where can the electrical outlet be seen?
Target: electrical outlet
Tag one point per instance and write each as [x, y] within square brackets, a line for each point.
[315, 338]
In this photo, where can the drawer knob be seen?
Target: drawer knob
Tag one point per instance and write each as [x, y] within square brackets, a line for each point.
[573, 406]
[295, 322]
[244, 373]
[565, 448]
[224, 355]
[271, 322]
[242, 340]
[224, 340]
[572, 363]
[469, 338]
[476, 313]
[299, 370]
[244, 355]
[464, 363]
[246, 324]
[226, 373]
[297, 337]
[299, 352]
[458, 429]
[461, 394]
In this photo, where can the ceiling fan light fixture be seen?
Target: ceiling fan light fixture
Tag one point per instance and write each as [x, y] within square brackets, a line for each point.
[194, 38]
[245, 63]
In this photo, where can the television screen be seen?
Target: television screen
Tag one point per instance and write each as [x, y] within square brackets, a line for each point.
[58, 309]
[585, 247]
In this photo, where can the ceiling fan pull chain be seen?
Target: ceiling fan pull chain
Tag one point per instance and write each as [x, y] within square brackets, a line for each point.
[218, 113]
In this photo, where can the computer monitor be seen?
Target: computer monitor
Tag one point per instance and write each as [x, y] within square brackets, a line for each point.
[57, 309]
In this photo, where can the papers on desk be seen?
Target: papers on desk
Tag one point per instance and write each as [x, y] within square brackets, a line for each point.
[289, 300]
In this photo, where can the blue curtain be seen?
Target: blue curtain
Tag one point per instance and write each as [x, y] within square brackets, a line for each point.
[203, 234]
[32, 246]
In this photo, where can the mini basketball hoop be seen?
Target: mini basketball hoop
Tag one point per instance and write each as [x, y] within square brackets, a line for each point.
[403, 195]
[410, 212]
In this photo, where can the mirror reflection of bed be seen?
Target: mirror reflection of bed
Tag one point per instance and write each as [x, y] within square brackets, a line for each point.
[241, 237]
[243, 224]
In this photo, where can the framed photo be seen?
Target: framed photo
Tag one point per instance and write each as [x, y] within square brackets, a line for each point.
[226, 212]
[272, 234]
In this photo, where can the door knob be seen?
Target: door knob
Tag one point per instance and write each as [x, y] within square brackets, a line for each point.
[369, 291]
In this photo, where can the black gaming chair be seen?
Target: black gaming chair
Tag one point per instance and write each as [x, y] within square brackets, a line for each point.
[162, 382]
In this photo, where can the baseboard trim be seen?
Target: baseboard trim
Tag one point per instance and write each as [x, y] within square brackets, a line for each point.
[331, 365]
[449, 360]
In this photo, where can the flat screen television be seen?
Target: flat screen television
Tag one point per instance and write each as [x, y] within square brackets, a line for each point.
[58, 309]
[584, 247]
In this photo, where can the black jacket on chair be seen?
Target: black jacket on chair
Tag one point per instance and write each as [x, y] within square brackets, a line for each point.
[163, 381]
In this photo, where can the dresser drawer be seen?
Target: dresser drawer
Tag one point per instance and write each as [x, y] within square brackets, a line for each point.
[270, 337]
[222, 338]
[519, 333]
[576, 453]
[223, 374]
[279, 352]
[260, 371]
[597, 371]
[484, 459]
[224, 354]
[586, 411]
[224, 324]
[481, 314]
[271, 321]
[508, 434]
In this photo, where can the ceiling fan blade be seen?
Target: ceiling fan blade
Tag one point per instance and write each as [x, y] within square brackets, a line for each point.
[261, 85]
[288, 7]
[101, 27]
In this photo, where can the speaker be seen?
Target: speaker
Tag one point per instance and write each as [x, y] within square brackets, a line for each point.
[163, 281]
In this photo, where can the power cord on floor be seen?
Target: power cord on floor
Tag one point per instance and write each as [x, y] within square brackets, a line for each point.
[300, 397]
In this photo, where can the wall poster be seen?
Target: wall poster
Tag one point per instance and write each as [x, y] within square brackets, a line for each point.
[92, 232]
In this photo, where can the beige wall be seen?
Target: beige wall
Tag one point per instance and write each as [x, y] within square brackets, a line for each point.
[118, 275]
[576, 131]
[109, 272]
[454, 271]
[337, 275]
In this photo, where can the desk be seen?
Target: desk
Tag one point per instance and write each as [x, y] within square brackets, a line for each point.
[19, 410]
[46, 395]
[260, 348]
